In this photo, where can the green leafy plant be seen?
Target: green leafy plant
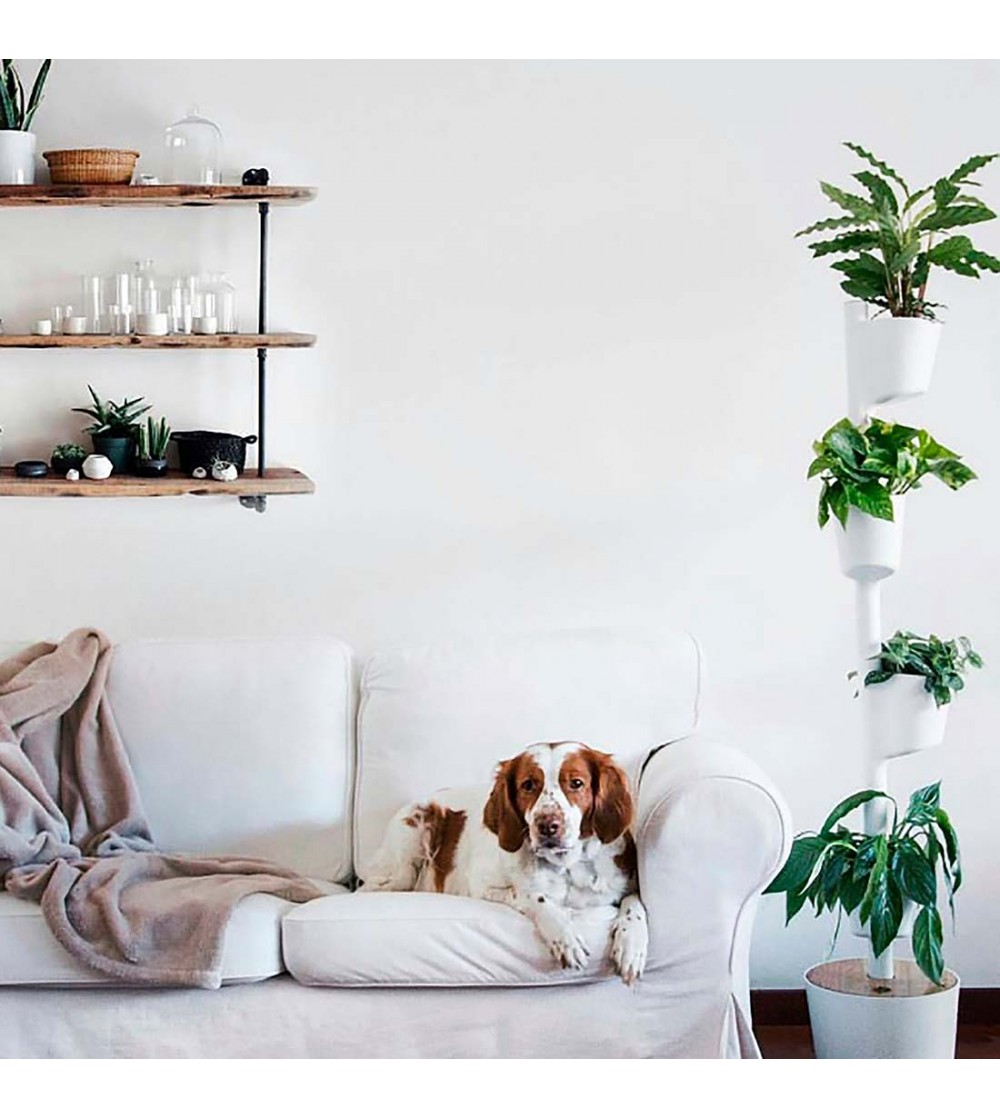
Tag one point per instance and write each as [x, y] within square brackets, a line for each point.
[113, 419]
[836, 868]
[941, 663]
[16, 112]
[889, 238]
[866, 466]
[69, 451]
[153, 439]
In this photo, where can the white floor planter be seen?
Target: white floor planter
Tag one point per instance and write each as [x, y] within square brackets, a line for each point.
[870, 548]
[904, 1018]
[904, 717]
[888, 359]
[17, 158]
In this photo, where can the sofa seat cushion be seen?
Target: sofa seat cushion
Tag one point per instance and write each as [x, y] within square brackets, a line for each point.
[31, 956]
[430, 940]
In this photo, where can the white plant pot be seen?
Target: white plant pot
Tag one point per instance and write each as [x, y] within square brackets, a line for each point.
[871, 549]
[905, 1018]
[888, 359]
[903, 717]
[17, 158]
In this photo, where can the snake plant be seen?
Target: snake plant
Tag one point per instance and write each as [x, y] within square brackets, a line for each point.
[17, 112]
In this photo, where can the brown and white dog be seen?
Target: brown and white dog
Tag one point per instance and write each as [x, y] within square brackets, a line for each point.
[551, 837]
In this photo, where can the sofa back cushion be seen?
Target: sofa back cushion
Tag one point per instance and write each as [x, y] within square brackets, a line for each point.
[444, 715]
[241, 747]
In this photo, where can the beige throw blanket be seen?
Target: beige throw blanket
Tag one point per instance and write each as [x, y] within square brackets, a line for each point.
[73, 834]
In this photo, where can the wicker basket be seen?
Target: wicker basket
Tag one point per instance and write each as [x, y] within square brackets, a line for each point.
[89, 166]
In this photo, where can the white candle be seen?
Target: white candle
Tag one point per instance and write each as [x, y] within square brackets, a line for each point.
[206, 324]
[43, 326]
[75, 324]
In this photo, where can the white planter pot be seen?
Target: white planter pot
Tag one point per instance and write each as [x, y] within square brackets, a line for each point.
[903, 717]
[904, 1018]
[870, 548]
[888, 359]
[17, 158]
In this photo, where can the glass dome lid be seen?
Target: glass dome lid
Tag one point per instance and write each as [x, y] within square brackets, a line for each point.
[194, 150]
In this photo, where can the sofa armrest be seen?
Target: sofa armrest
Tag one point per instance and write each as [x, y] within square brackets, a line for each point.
[711, 832]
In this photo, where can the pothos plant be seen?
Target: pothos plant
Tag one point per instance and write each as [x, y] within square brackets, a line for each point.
[844, 870]
[864, 467]
[942, 664]
[891, 236]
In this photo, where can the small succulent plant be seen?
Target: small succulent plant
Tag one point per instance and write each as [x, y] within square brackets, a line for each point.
[69, 451]
[153, 439]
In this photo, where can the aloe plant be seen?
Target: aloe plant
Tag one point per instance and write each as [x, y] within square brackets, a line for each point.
[113, 419]
[889, 238]
[16, 112]
[153, 439]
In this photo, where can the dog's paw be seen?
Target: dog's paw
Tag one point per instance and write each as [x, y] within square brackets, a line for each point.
[629, 945]
[570, 950]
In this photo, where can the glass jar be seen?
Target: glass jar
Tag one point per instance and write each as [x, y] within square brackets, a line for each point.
[94, 309]
[194, 151]
[224, 302]
[145, 291]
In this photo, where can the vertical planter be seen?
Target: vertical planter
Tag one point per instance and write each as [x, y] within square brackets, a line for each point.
[887, 358]
[871, 549]
[903, 716]
[17, 157]
[907, 1017]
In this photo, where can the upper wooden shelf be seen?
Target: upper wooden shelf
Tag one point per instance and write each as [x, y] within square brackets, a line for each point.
[156, 342]
[163, 195]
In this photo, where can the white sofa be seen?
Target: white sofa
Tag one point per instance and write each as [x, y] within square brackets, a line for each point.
[305, 766]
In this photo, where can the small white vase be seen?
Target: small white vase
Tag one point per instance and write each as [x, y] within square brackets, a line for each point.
[17, 158]
[870, 548]
[903, 717]
[887, 358]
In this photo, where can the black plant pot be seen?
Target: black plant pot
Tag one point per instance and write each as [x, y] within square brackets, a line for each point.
[60, 465]
[150, 467]
[119, 448]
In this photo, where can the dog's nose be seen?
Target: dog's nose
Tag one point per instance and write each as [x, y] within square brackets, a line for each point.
[549, 827]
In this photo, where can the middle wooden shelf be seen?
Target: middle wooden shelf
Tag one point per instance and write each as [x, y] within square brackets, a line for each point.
[157, 342]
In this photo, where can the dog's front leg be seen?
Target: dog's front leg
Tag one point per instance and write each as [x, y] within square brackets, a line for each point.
[630, 939]
[554, 923]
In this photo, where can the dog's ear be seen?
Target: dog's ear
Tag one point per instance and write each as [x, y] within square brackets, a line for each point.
[501, 814]
[613, 809]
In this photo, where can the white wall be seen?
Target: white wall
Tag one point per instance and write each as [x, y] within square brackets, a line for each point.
[571, 363]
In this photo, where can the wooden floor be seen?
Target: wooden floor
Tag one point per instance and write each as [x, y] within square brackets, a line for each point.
[795, 1042]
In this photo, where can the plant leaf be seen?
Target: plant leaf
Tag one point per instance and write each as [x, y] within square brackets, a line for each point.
[944, 193]
[829, 223]
[845, 243]
[877, 163]
[848, 805]
[853, 203]
[971, 165]
[799, 865]
[928, 937]
[871, 498]
[915, 874]
[951, 216]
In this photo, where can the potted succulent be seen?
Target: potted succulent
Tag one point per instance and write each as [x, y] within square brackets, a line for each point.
[909, 690]
[67, 456]
[888, 884]
[17, 111]
[114, 428]
[866, 471]
[151, 448]
[884, 244]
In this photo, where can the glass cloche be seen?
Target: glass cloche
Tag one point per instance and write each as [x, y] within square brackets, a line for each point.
[194, 151]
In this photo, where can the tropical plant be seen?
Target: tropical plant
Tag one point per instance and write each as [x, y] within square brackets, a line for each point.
[941, 663]
[153, 439]
[16, 113]
[110, 418]
[836, 868]
[865, 466]
[889, 238]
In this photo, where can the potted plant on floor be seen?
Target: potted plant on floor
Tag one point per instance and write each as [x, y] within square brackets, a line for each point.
[151, 448]
[888, 885]
[114, 428]
[17, 112]
[909, 691]
[885, 243]
[866, 471]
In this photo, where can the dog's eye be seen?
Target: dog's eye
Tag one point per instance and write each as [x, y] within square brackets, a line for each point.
[528, 786]
[576, 783]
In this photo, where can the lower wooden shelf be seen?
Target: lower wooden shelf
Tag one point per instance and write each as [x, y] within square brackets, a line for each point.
[277, 480]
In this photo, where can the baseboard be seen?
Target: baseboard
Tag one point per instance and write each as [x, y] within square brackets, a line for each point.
[976, 1006]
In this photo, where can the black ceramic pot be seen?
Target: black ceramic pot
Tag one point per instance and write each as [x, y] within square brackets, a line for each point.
[150, 467]
[119, 448]
[61, 464]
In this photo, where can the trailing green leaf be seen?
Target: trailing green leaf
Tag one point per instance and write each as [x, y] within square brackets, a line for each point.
[942, 664]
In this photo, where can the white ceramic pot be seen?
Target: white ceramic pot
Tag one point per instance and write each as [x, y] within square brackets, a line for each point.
[17, 158]
[903, 717]
[97, 467]
[907, 1019]
[887, 358]
[870, 548]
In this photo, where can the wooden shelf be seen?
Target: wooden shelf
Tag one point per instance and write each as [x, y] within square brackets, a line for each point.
[164, 195]
[276, 480]
[149, 342]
